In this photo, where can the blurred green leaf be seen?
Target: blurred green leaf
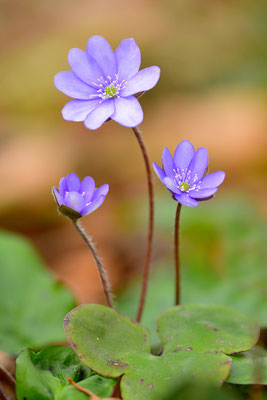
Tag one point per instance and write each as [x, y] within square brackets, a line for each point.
[43, 376]
[196, 341]
[249, 367]
[192, 391]
[33, 305]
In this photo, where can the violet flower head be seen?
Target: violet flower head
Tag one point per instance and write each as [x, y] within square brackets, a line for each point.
[75, 199]
[103, 83]
[184, 174]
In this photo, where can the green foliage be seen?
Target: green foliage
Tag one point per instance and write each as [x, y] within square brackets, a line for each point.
[196, 339]
[222, 258]
[192, 391]
[43, 376]
[249, 367]
[33, 305]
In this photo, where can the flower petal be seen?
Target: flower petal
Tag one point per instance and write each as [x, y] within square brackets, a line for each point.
[84, 66]
[202, 194]
[144, 80]
[101, 191]
[212, 180]
[62, 187]
[167, 163]
[100, 50]
[58, 197]
[69, 84]
[186, 200]
[73, 182]
[77, 110]
[160, 173]
[75, 201]
[170, 184]
[183, 154]
[199, 163]
[128, 112]
[93, 206]
[88, 188]
[128, 58]
[99, 114]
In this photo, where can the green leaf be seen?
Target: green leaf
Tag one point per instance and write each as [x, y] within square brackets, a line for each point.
[249, 367]
[33, 305]
[43, 376]
[196, 341]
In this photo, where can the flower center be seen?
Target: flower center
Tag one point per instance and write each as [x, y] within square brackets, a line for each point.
[108, 88]
[110, 91]
[184, 186]
[184, 181]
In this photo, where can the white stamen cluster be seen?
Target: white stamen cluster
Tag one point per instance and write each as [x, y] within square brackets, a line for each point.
[184, 181]
[108, 88]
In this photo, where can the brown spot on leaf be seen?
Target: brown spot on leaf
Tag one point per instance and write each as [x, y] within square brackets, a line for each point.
[189, 349]
[119, 364]
[66, 321]
[212, 352]
[150, 386]
[166, 379]
[209, 326]
[141, 381]
[177, 350]
[168, 339]
[219, 341]
[73, 345]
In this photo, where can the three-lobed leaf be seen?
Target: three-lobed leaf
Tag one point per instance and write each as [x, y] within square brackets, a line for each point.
[196, 343]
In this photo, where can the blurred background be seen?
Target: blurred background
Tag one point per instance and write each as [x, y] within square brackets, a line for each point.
[212, 91]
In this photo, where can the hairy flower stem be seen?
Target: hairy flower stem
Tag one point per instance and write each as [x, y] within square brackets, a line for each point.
[177, 253]
[101, 269]
[137, 133]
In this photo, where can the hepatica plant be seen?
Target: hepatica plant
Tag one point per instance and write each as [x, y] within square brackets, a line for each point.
[198, 342]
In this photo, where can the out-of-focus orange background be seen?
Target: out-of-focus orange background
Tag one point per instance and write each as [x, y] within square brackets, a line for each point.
[212, 91]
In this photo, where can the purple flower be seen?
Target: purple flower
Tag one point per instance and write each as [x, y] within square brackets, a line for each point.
[77, 199]
[104, 83]
[183, 174]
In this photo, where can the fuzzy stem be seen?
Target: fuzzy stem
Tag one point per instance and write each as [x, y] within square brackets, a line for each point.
[101, 269]
[137, 133]
[177, 254]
